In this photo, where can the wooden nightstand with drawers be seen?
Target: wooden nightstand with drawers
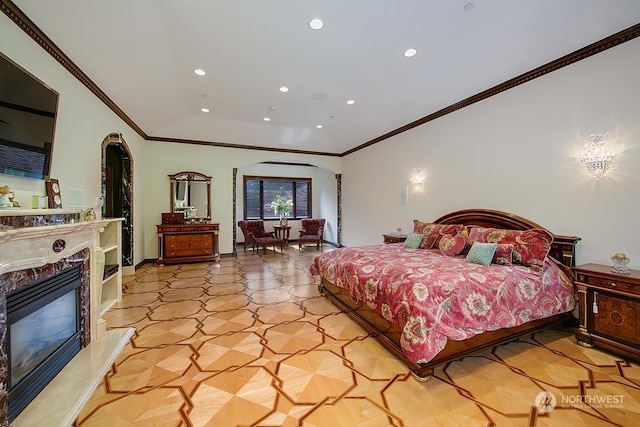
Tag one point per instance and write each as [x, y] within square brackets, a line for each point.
[608, 309]
[394, 238]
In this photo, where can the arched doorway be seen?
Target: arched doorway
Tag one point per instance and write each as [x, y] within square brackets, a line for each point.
[117, 190]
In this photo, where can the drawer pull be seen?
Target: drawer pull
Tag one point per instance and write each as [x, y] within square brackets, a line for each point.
[613, 284]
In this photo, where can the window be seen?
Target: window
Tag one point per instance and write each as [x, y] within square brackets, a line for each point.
[259, 192]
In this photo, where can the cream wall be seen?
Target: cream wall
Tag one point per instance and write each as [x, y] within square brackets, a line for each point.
[82, 124]
[169, 158]
[516, 152]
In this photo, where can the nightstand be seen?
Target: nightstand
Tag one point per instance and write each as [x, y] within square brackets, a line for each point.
[608, 309]
[394, 238]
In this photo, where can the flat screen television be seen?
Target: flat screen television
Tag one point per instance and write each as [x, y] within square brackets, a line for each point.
[28, 110]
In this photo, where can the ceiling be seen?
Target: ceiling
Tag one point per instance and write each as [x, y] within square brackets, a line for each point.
[142, 54]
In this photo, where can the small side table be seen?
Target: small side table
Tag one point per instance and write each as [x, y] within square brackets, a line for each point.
[282, 232]
[608, 309]
[394, 238]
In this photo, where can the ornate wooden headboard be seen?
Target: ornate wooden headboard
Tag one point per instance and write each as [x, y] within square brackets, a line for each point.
[563, 248]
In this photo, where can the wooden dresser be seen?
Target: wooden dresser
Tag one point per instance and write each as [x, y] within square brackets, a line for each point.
[178, 243]
[609, 309]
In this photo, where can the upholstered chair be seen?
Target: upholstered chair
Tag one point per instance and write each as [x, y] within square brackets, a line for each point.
[312, 232]
[252, 229]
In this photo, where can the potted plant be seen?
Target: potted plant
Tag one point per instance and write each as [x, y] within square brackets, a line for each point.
[282, 207]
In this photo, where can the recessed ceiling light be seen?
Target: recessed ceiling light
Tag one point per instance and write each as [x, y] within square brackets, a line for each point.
[199, 72]
[319, 126]
[284, 89]
[410, 52]
[266, 119]
[316, 24]
[467, 7]
[204, 110]
[351, 102]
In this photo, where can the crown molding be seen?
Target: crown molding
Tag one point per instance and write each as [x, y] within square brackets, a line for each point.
[22, 20]
[593, 49]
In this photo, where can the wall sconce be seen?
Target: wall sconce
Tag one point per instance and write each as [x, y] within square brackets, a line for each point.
[418, 177]
[596, 156]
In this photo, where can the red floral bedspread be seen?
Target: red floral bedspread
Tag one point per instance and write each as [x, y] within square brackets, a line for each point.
[434, 298]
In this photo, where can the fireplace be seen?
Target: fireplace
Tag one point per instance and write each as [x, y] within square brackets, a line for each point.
[43, 334]
[67, 259]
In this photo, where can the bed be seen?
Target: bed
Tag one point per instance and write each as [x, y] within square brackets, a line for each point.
[429, 308]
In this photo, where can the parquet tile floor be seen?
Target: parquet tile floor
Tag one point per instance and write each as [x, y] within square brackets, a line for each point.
[249, 342]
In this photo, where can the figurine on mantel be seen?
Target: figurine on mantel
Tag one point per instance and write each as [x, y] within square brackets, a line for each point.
[8, 198]
[90, 215]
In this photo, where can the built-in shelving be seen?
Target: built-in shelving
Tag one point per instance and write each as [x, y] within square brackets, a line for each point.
[110, 261]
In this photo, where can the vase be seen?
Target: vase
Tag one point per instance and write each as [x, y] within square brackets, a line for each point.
[620, 264]
[283, 221]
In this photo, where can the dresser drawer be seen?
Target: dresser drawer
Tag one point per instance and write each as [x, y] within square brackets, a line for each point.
[187, 228]
[169, 229]
[191, 252]
[608, 283]
[188, 245]
[206, 227]
[188, 241]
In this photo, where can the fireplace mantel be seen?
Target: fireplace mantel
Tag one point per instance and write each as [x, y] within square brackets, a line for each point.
[33, 246]
[29, 247]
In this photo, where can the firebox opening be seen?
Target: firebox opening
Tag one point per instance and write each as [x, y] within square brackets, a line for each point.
[43, 335]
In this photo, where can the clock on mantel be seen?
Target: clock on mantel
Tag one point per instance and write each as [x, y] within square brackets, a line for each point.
[53, 192]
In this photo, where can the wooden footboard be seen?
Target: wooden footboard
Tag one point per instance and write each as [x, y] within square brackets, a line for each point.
[388, 334]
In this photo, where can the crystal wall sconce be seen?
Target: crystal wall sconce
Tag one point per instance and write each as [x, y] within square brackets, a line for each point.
[596, 157]
[417, 179]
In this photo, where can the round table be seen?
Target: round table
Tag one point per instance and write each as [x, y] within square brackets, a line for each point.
[282, 232]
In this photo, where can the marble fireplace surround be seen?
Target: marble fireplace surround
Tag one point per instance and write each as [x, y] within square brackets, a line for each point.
[33, 252]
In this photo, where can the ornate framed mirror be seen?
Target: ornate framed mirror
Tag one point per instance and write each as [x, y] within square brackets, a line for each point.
[190, 194]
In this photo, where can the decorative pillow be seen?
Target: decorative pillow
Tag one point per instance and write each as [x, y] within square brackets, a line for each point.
[413, 241]
[452, 245]
[481, 253]
[530, 247]
[504, 254]
[419, 226]
[433, 232]
[428, 242]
